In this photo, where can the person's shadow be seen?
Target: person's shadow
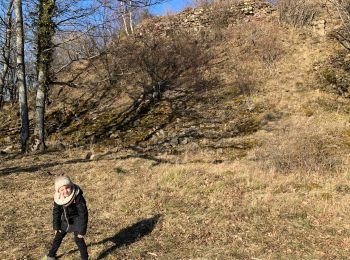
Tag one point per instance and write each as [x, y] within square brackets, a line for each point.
[129, 235]
[126, 236]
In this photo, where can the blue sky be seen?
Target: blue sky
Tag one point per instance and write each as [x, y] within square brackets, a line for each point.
[170, 5]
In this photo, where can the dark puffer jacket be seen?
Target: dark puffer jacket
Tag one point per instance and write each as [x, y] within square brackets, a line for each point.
[73, 218]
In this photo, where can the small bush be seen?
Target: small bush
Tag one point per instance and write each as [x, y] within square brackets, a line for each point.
[165, 59]
[263, 42]
[245, 82]
[269, 45]
[308, 110]
[336, 80]
[329, 76]
[297, 12]
[259, 50]
[301, 150]
[120, 171]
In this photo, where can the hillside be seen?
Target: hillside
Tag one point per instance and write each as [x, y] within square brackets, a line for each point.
[241, 153]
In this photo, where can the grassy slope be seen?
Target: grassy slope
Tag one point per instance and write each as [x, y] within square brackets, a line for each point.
[188, 206]
[229, 210]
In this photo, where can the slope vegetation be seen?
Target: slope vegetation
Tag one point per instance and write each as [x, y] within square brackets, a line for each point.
[242, 153]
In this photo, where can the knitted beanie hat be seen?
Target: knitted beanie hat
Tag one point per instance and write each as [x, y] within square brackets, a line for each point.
[62, 181]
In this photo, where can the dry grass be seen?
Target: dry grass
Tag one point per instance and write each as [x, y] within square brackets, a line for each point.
[194, 206]
[303, 146]
[229, 210]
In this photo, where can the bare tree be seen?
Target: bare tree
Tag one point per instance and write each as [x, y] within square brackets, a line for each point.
[20, 73]
[58, 15]
[124, 12]
[127, 10]
[45, 33]
[6, 53]
[127, 16]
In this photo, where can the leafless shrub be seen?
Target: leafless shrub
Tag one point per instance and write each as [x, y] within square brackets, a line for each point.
[164, 59]
[259, 49]
[297, 12]
[245, 81]
[342, 34]
[261, 42]
[268, 45]
[301, 150]
[271, 49]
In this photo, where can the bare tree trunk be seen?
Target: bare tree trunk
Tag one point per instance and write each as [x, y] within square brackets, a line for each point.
[130, 18]
[40, 112]
[45, 33]
[21, 79]
[6, 51]
[124, 18]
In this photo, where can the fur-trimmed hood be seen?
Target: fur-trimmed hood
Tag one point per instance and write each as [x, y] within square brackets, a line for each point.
[68, 200]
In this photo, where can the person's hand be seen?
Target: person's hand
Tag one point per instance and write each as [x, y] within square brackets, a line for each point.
[57, 231]
[80, 236]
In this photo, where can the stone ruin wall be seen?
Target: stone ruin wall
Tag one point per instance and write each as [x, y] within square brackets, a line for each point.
[196, 19]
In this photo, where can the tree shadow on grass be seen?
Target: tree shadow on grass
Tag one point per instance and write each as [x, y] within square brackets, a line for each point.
[40, 167]
[126, 236]
[37, 167]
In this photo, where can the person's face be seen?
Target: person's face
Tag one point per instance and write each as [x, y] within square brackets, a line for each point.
[65, 190]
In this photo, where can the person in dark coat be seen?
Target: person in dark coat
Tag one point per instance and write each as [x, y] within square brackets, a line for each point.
[70, 214]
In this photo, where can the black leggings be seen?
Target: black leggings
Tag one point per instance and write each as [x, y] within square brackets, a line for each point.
[79, 241]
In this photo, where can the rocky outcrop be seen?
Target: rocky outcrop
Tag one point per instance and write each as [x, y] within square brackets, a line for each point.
[196, 19]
